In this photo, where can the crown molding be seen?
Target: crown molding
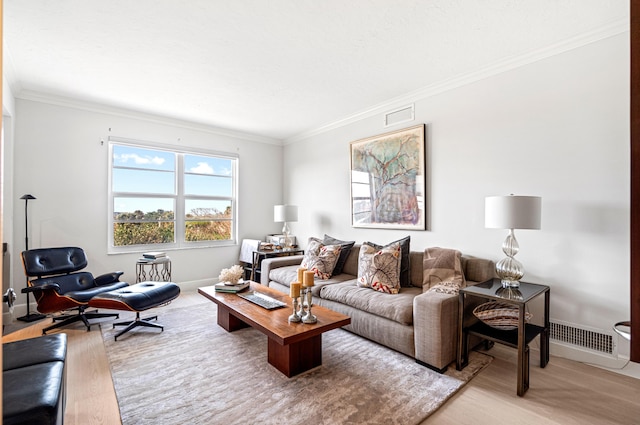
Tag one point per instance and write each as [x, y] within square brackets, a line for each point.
[612, 29]
[126, 113]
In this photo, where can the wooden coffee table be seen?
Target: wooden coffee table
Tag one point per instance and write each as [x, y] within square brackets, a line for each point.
[292, 347]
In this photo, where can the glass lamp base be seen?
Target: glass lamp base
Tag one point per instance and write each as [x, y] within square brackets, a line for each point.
[287, 239]
[510, 271]
[510, 283]
[509, 293]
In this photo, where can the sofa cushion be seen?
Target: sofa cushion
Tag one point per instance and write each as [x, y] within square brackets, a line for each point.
[379, 269]
[320, 258]
[398, 308]
[26, 352]
[442, 270]
[41, 401]
[351, 265]
[416, 268]
[285, 275]
[344, 252]
[405, 263]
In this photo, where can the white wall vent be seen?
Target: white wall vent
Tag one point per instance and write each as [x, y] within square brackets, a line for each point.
[400, 115]
[589, 339]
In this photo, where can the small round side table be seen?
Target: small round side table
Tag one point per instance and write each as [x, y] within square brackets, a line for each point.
[155, 273]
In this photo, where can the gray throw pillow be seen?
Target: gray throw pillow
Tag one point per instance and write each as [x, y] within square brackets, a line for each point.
[344, 253]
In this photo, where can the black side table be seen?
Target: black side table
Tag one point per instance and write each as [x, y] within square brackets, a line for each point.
[518, 338]
[258, 256]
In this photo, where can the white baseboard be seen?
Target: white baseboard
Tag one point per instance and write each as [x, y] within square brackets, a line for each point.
[195, 284]
[19, 310]
[619, 364]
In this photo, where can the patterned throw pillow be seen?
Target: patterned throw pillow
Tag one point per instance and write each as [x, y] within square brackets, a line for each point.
[379, 269]
[405, 265]
[320, 258]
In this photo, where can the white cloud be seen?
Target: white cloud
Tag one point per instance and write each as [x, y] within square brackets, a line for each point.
[140, 160]
[202, 168]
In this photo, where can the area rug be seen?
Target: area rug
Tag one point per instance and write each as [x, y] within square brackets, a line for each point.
[197, 373]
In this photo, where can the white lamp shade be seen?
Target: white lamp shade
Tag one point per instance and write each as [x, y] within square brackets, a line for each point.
[512, 212]
[285, 213]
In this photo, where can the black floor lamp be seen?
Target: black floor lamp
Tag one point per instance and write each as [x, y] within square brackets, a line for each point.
[29, 317]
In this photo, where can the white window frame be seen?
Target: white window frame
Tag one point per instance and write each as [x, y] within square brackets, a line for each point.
[179, 198]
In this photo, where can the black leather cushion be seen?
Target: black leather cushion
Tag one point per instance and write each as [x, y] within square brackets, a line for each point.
[32, 351]
[33, 395]
[405, 264]
[139, 297]
[67, 282]
[50, 261]
[77, 286]
[85, 295]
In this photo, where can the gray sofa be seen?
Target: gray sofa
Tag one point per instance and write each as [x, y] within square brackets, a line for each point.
[420, 325]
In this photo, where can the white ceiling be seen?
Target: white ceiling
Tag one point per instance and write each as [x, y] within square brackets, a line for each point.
[279, 68]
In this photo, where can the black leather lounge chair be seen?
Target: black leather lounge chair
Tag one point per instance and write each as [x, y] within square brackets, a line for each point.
[58, 285]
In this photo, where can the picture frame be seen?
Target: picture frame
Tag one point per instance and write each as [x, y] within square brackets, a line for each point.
[388, 180]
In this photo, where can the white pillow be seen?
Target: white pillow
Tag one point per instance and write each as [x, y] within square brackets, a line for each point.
[321, 259]
[379, 269]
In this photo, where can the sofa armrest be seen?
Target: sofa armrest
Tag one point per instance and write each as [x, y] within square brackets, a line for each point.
[435, 324]
[269, 264]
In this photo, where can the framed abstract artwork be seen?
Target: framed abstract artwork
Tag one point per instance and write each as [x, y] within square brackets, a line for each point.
[388, 180]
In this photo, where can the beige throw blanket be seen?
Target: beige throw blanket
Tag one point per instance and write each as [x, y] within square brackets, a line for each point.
[442, 270]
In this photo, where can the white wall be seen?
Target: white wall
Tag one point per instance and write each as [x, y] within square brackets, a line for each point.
[59, 158]
[557, 128]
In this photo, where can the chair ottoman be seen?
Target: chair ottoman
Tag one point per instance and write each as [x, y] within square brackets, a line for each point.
[139, 297]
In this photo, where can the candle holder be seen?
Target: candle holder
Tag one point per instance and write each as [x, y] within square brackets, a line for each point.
[295, 318]
[308, 317]
[302, 308]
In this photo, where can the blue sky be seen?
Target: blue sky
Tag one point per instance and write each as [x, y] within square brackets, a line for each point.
[140, 170]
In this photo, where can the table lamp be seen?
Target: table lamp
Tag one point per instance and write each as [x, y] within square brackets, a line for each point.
[285, 214]
[512, 212]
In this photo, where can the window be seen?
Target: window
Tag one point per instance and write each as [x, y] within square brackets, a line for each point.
[170, 199]
[361, 195]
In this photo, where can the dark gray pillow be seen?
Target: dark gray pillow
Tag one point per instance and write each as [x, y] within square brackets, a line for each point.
[405, 265]
[344, 252]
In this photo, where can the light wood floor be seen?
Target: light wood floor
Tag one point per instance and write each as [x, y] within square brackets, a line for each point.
[565, 392]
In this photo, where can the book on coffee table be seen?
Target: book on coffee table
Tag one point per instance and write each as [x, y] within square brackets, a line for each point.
[232, 288]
